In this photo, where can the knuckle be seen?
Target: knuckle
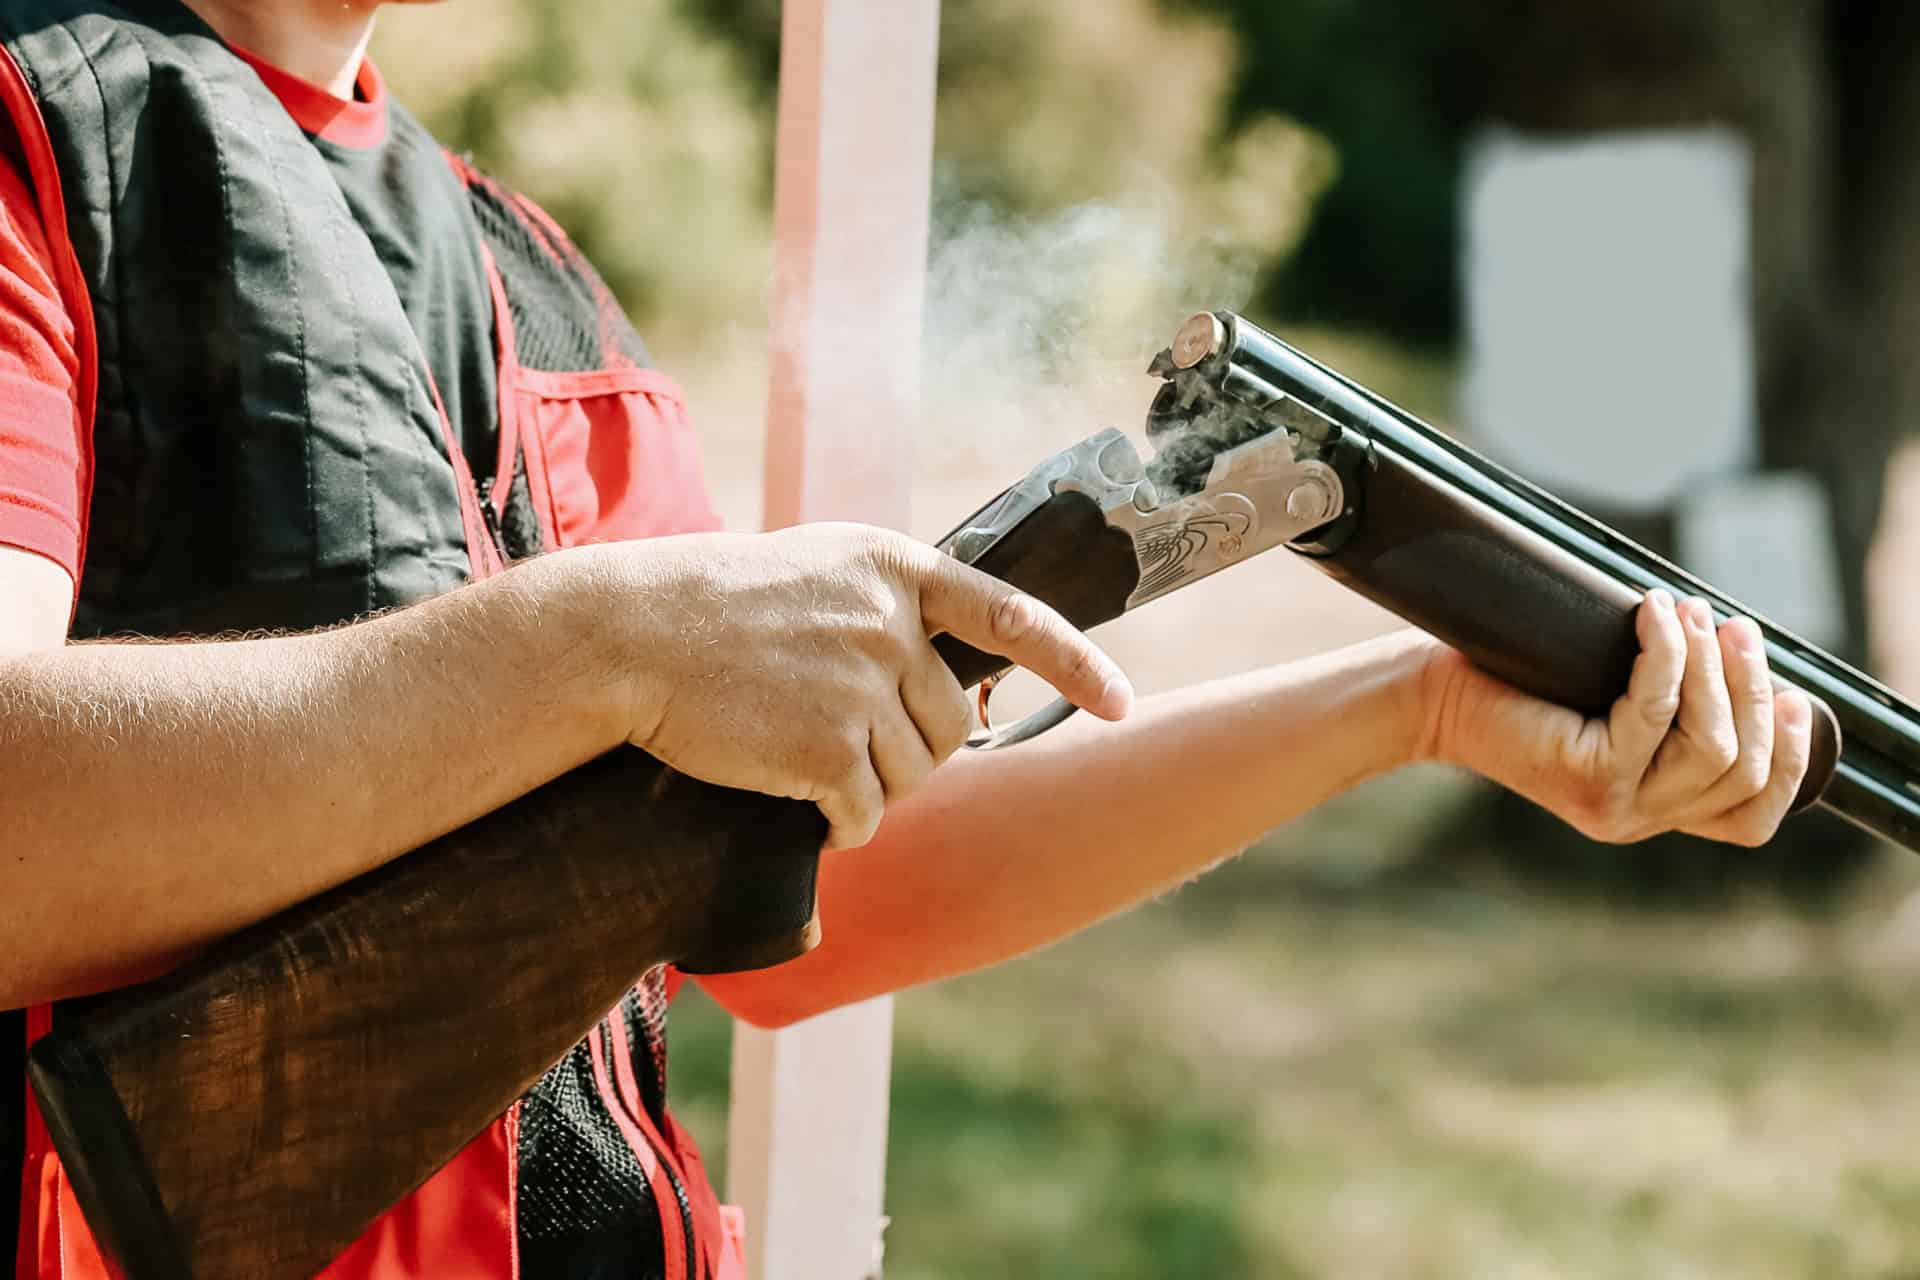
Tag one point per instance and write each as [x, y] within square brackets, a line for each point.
[879, 550]
[1794, 772]
[1611, 796]
[1797, 740]
[898, 639]
[878, 596]
[1660, 708]
[1721, 750]
[1597, 808]
[1083, 666]
[1013, 617]
[843, 760]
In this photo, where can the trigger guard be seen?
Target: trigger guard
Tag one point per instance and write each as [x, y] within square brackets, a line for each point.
[987, 738]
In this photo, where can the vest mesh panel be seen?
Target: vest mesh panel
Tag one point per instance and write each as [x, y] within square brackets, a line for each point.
[565, 319]
[586, 1211]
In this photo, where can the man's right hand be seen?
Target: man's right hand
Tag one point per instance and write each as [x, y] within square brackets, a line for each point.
[799, 663]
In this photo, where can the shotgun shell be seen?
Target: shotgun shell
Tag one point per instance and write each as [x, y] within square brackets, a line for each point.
[1200, 337]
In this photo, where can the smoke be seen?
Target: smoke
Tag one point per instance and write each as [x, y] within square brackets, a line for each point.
[1039, 329]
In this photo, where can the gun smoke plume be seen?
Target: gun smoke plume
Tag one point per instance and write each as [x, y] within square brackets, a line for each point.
[1038, 330]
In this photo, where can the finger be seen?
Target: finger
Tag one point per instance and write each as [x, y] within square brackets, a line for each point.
[988, 614]
[1754, 822]
[1639, 720]
[1749, 684]
[901, 759]
[1702, 745]
[940, 708]
[853, 808]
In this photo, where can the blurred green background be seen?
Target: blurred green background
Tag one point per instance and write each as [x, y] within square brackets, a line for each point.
[1370, 1047]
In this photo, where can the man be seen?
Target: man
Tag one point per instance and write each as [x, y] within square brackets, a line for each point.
[271, 366]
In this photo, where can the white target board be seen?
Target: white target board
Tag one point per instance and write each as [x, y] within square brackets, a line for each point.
[1608, 310]
[1609, 323]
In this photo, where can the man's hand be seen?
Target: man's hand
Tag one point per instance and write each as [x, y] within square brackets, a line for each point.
[799, 664]
[1701, 742]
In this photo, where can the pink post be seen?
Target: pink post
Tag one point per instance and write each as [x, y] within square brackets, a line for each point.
[851, 189]
[808, 1127]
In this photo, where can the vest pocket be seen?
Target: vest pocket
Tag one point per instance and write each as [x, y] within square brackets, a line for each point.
[610, 455]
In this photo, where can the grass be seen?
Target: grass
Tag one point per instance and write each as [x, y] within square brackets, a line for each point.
[1309, 1065]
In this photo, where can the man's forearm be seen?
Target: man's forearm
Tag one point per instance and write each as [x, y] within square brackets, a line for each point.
[156, 796]
[1003, 853]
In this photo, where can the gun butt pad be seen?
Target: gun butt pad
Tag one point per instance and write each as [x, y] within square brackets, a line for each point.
[1518, 605]
[783, 925]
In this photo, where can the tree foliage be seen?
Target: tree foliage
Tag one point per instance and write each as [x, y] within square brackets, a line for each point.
[1386, 84]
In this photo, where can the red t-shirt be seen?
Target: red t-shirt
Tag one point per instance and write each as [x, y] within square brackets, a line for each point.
[42, 452]
[43, 446]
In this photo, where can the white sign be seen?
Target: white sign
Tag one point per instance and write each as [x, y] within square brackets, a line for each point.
[1608, 310]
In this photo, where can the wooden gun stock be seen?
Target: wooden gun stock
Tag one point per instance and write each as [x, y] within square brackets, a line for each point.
[250, 1114]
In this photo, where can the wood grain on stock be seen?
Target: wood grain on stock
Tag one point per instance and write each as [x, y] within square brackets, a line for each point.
[251, 1113]
[1518, 605]
[283, 1090]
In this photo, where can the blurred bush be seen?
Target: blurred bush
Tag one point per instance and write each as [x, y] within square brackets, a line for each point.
[646, 127]
[635, 127]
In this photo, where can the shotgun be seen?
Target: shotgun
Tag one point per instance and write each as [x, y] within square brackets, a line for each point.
[251, 1113]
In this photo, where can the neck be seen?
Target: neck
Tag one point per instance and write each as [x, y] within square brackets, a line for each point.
[321, 41]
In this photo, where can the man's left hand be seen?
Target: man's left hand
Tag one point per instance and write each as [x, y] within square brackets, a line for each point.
[1701, 742]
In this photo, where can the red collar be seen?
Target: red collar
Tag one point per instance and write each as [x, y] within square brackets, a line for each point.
[359, 123]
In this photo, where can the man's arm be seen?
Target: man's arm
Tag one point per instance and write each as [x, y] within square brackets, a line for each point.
[154, 797]
[1006, 852]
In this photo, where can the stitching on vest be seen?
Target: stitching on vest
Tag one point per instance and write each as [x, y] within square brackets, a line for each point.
[293, 289]
[341, 226]
[408, 140]
[358, 393]
[402, 131]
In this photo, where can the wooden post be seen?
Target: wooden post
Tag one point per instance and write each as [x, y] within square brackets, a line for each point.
[808, 1127]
